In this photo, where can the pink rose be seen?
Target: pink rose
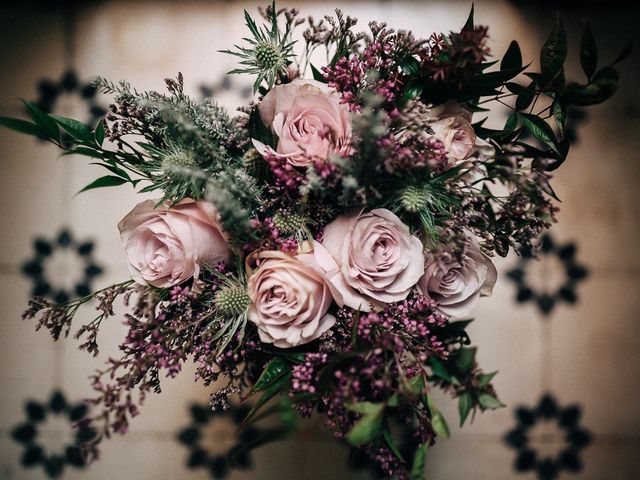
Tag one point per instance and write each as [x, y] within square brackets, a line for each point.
[457, 281]
[457, 135]
[370, 258]
[167, 245]
[454, 130]
[308, 119]
[289, 299]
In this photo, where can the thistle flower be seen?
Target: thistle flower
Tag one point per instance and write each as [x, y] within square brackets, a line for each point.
[268, 53]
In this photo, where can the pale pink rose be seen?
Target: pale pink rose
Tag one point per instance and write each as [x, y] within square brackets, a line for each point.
[289, 299]
[457, 281]
[457, 135]
[371, 259]
[308, 119]
[166, 245]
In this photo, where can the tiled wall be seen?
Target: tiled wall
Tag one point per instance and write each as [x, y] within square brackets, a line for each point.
[586, 354]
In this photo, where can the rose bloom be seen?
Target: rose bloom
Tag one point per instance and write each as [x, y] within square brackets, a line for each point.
[456, 282]
[371, 258]
[308, 119]
[166, 245]
[289, 299]
[454, 130]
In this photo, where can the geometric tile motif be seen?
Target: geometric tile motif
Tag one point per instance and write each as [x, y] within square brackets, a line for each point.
[565, 420]
[572, 273]
[44, 285]
[35, 454]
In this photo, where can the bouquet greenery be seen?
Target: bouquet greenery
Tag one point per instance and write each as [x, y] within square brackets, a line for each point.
[321, 251]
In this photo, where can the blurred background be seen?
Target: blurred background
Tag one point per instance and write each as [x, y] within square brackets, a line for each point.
[564, 332]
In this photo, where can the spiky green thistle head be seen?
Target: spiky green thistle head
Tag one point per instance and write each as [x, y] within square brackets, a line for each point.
[267, 56]
[177, 161]
[289, 223]
[232, 300]
[413, 199]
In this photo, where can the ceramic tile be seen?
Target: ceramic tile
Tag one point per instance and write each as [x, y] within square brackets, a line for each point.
[595, 355]
[27, 358]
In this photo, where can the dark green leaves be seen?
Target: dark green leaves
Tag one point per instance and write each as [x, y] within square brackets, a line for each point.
[540, 130]
[419, 462]
[367, 428]
[512, 58]
[106, 181]
[602, 86]
[438, 421]
[21, 126]
[554, 52]
[45, 123]
[468, 25]
[490, 402]
[274, 369]
[465, 359]
[588, 52]
[465, 403]
[76, 129]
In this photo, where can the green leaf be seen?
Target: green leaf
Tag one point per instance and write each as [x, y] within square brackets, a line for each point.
[626, 51]
[438, 369]
[512, 58]
[465, 403]
[317, 74]
[47, 126]
[410, 66]
[271, 391]
[560, 114]
[554, 51]
[588, 52]
[21, 126]
[419, 462]
[413, 90]
[367, 428]
[388, 437]
[512, 123]
[466, 358]
[76, 129]
[438, 421]
[525, 94]
[365, 407]
[272, 371]
[99, 133]
[489, 401]
[603, 85]
[540, 130]
[115, 169]
[106, 181]
[468, 25]
[485, 378]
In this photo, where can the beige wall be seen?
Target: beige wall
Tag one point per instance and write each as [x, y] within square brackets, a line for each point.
[591, 351]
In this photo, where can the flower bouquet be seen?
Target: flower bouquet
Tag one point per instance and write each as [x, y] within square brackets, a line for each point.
[320, 252]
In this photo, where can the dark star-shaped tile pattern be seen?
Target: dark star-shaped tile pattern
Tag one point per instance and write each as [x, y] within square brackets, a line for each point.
[43, 285]
[573, 273]
[575, 439]
[26, 433]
